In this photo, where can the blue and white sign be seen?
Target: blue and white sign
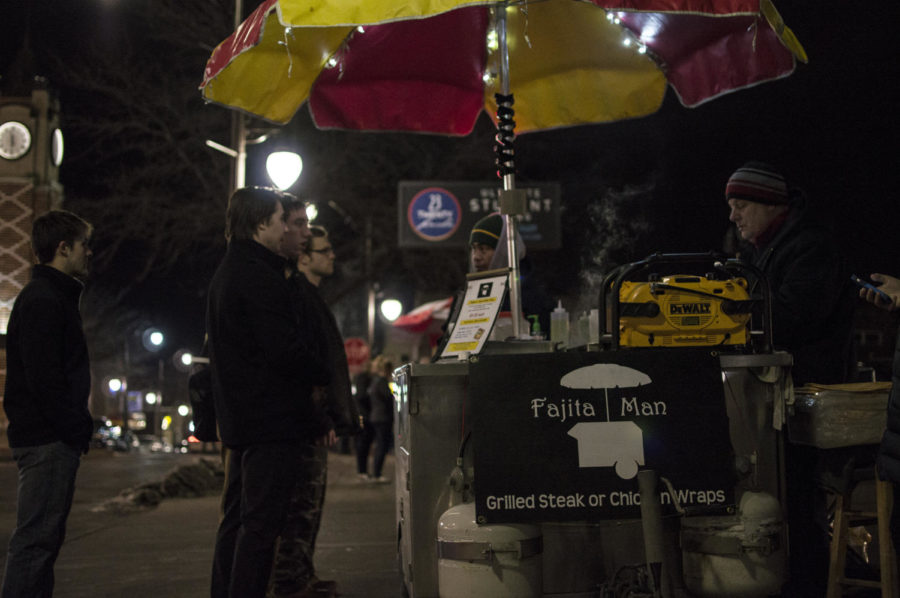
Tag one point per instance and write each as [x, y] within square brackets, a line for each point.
[440, 214]
[434, 214]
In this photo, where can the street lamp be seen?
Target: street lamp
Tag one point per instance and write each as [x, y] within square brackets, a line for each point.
[391, 309]
[153, 339]
[284, 168]
[115, 385]
[184, 359]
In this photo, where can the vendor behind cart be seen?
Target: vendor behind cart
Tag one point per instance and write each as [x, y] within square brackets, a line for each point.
[812, 317]
[487, 243]
[812, 297]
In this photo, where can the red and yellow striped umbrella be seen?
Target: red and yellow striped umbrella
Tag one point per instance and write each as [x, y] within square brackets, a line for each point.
[434, 65]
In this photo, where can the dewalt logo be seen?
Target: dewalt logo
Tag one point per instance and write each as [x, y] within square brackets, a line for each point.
[689, 308]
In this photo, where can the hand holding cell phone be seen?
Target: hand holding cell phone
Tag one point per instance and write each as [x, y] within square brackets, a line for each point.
[880, 296]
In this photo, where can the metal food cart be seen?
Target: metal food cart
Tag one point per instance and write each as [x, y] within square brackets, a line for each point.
[533, 471]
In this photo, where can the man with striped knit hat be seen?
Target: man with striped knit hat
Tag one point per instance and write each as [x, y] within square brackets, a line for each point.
[812, 297]
[812, 316]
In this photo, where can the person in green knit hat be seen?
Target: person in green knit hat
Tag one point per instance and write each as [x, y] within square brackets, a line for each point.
[483, 241]
[487, 249]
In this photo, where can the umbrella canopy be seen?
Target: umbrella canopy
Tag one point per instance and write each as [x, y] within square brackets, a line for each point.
[434, 65]
[420, 318]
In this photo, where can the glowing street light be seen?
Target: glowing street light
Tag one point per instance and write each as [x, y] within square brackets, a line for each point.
[151, 398]
[284, 168]
[391, 309]
[115, 385]
[184, 359]
[153, 339]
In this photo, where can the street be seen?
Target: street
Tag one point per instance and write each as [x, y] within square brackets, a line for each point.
[167, 550]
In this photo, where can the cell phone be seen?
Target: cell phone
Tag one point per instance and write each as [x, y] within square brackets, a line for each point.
[868, 285]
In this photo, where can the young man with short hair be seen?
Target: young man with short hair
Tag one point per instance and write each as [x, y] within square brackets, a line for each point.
[294, 573]
[263, 373]
[48, 383]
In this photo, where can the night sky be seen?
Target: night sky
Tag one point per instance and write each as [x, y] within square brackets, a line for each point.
[831, 127]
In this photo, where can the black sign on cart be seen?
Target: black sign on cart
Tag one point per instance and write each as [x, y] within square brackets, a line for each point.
[561, 437]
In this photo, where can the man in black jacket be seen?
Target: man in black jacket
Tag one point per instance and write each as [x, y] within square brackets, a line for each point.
[812, 297]
[812, 318]
[262, 378]
[46, 399]
[294, 572]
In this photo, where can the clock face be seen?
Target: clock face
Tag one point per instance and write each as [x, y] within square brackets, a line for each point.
[56, 147]
[15, 140]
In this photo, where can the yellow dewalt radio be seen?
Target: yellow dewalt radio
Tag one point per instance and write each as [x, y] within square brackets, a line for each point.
[680, 310]
[683, 311]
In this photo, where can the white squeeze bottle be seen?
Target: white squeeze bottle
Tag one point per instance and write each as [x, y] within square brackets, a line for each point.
[559, 325]
[594, 336]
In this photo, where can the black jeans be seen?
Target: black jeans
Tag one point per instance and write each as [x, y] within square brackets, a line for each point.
[45, 492]
[259, 482]
[362, 443]
[382, 445]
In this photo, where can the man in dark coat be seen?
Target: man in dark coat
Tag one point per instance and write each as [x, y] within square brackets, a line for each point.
[263, 374]
[315, 264]
[294, 573]
[48, 383]
[812, 297]
[812, 318]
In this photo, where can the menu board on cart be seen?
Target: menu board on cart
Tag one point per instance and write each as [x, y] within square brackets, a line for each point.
[562, 436]
[480, 306]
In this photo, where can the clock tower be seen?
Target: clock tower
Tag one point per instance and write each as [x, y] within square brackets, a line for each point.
[31, 149]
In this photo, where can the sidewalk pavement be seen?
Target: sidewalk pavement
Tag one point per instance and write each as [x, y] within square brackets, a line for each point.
[167, 550]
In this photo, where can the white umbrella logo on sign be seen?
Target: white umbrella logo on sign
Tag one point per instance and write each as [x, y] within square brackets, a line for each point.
[603, 444]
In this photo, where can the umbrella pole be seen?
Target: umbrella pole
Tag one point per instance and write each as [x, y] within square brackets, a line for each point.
[505, 136]
[238, 128]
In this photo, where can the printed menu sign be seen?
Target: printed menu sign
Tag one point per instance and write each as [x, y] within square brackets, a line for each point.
[484, 296]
